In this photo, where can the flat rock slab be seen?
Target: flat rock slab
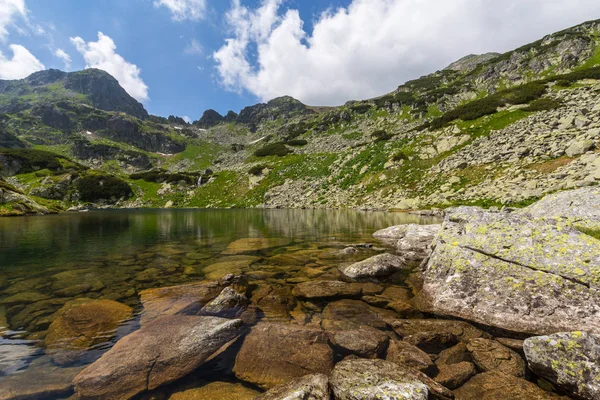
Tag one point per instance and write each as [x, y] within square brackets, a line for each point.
[571, 360]
[580, 207]
[173, 300]
[375, 268]
[327, 289]
[273, 354]
[498, 386]
[81, 324]
[164, 350]
[375, 379]
[309, 387]
[510, 272]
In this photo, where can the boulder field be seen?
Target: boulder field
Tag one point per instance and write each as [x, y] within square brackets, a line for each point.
[505, 305]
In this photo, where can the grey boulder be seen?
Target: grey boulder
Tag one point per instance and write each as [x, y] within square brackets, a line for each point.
[375, 268]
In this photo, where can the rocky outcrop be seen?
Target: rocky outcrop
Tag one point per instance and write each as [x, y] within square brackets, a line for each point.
[375, 268]
[122, 128]
[209, 119]
[161, 352]
[281, 107]
[81, 324]
[510, 272]
[374, 379]
[569, 360]
[309, 387]
[273, 354]
[580, 208]
[87, 151]
[471, 61]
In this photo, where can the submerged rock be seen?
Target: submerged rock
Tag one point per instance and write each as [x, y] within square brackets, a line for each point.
[81, 324]
[325, 289]
[463, 331]
[161, 352]
[570, 360]
[249, 245]
[309, 387]
[273, 354]
[217, 391]
[365, 342]
[374, 268]
[510, 272]
[496, 385]
[375, 379]
[350, 314]
[227, 304]
[408, 356]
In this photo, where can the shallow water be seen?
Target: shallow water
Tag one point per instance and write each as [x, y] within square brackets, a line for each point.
[46, 262]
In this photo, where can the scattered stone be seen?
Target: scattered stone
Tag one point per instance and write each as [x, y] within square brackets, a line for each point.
[570, 360]
[309, 387]
[361, 379]
[490, 355]
[578, 147]
[365, 342]
[273, 354]
[374, 268]
[82, 324]
[325, 289]
[161, 352]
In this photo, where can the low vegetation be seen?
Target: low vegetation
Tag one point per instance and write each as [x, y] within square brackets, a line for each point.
[275, 149]
[96, 186]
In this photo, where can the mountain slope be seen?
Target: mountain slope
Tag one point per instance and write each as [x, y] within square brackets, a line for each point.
[489, 130]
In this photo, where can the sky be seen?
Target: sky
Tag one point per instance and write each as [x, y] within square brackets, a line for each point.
[182, 57]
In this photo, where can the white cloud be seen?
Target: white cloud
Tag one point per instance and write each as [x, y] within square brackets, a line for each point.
[194, 47]
[181, 10]
[372, 46]
[9, 9]
[22, 64]
[60, 53]
[102, 55]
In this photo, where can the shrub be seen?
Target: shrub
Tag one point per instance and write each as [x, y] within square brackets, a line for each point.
[381, 136]
[31, 160]
[257, 170]
[564, 83]
[161, 176]
[296, 142]
[399, 156]
[96, 186]
[543, 105]
[274, 149]
[360, 108]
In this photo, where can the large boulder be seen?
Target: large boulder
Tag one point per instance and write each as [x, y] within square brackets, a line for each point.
[161, 352]
[360, 379]
[325, 289]
[172, 300]
[273, 354]
[309, 387]
[571, 360]
[413, 241]
[499, 386]
[514, 273]
[375, 268]
[81, 324]
[579, 207]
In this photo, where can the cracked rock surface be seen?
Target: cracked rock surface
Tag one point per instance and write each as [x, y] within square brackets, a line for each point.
[511, 272]
[161, 352]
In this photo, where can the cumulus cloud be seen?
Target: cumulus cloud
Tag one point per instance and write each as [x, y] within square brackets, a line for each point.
[9, 10]
[102, 55]
[181, 10]
[22, 64]
[60, 53]
[372, 46]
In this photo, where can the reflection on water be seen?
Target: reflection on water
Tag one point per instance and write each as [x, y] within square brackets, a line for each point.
[46, 263]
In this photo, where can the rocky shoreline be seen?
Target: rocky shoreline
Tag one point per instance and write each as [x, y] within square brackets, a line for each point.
[500, 305]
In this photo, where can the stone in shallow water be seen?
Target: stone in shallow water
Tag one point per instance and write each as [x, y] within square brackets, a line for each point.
[223, 268]
[161, 352]
[496, 385]
[181, 299]
[81, 324]
[227, 304]
[275, 302]
[462, 330]
[365, 342]
[490, 355]
[217, 391]
[510, 272]
[309, 387]
[406, 355]
[350, 314]
[41, 380]
[375, 379]
[324, 289]
[273, 354]
[374, 268]
[249, 245]
[24, 298]
[571, 360]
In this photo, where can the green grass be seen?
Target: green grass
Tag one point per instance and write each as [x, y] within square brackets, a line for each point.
[595, 233]
[484, 125]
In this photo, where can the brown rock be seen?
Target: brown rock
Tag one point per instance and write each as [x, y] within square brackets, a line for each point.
[455, 375]
[273, 354]
[250, 245]
[409, 356]
[275, 302]
[350, 314]
[325, 289]
[499, 386]
[490, 355]
[513, 344]
[462, 330]
[365, 342]
[309, 387]
[161, 352]
[217, 391]
[81, 324]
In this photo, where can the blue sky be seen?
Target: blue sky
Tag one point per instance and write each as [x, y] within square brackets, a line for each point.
[184, 56]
